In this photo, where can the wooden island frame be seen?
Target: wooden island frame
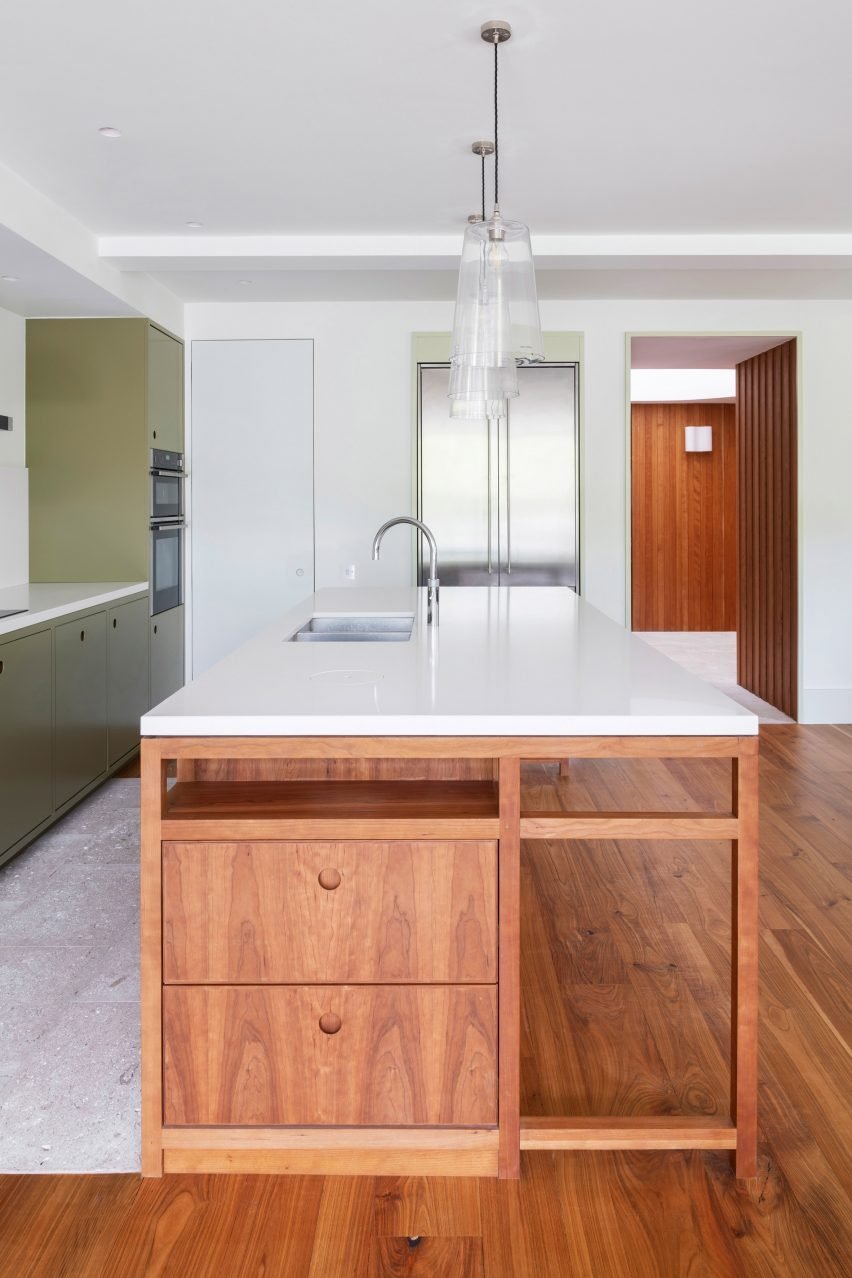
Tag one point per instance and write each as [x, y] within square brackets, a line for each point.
[304, 789]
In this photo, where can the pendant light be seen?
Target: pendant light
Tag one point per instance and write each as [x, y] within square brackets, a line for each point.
[478, 391]
[497, 324]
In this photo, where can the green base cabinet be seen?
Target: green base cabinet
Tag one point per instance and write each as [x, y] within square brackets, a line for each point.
[127, 675]
[71, 697]
[80, 705]
[26, 718]
[166, 654]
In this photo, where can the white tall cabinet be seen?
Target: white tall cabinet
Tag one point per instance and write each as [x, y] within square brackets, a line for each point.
[252, 489]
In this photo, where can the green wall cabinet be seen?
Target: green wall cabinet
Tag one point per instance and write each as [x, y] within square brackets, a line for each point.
[80, 705]
[26, 717]
[97, 390]
[166, 643]
[165, 391]
[127, 675]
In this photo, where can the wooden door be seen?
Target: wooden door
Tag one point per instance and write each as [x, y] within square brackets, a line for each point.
[684, 519]
[767, 640]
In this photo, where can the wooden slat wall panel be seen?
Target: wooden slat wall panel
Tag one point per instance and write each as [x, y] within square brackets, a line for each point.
[684, 519]
[767, 660]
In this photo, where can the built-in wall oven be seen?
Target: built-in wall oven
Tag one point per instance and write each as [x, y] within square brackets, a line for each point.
[167, 531]
[167, 480]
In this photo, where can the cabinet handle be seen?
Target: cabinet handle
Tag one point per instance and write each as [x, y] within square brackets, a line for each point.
[330, 1022]
[329, 879]
[1, 667]
[82, 636]
[155, 630]
[155, 434]
[115, 623]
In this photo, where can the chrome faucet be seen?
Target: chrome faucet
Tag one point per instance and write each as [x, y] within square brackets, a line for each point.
[432, 583]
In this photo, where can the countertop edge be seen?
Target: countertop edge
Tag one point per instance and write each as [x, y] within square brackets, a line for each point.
[447, 726]
[35, 617]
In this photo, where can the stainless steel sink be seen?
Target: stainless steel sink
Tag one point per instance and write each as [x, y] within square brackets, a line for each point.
[347, 629]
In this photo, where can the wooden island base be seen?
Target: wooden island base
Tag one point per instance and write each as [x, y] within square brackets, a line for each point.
[331, 952]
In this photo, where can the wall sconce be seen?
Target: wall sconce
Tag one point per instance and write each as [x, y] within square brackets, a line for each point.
[698, 439]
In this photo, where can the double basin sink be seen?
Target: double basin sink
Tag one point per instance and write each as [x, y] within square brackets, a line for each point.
[348, 629]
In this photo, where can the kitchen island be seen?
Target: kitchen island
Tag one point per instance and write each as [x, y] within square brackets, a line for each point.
[331, 881]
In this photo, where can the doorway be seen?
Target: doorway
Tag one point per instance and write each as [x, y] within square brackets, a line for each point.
[713, 537]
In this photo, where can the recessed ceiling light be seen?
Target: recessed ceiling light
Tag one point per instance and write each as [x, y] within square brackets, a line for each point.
[195, 225]
[246, 281]
[10, 279]
[109, 132]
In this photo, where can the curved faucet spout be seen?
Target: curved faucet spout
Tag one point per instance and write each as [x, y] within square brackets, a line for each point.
[433, 583]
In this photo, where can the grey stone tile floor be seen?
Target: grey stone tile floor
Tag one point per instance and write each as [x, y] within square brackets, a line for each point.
[69, 992]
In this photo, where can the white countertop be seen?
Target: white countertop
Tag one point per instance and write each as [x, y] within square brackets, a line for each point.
[517, 661]
[46, 600]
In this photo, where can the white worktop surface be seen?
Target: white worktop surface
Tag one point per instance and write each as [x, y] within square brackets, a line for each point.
[522, 661]
[45, 601]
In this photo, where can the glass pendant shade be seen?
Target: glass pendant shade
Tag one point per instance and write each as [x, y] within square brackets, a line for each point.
[497, 320]
[478, 410]
[480, 385]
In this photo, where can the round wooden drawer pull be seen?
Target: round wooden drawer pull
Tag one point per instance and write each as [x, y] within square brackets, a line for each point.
[330, 1022]
[329, 879]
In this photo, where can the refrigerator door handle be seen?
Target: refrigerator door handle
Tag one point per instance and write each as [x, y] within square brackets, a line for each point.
[508, 500]
[490, 558]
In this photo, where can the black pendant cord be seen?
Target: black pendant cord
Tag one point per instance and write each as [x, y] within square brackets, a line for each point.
[482, 161]
[496, 142]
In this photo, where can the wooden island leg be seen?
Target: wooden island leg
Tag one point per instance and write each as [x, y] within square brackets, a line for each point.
[153, 773]
[744, 964]
[509, 972]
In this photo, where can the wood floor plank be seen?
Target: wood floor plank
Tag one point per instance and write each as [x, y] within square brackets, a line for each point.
[421, 1206]
[620, 1063]
[427, 1257]
[685, 1236]
[343, 1238]
[821, 980]
[524, 1229]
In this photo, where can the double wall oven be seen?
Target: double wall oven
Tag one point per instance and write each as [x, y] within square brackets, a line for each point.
[167, 530]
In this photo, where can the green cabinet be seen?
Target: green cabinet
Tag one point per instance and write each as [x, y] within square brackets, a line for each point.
[165, 391]
[80, 705]
[166, 654]
[127, 675]
[26, 798]
[100, 394]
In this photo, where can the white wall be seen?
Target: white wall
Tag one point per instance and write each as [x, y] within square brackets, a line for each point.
[364, 437]
[362, 419]
[14, 522]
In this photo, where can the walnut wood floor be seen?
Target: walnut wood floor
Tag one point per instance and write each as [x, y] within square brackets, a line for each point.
[625, 1010]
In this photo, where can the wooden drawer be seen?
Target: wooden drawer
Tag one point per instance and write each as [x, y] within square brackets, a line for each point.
[249, 913]
[396, 1055]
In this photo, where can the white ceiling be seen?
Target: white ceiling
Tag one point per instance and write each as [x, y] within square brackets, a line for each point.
[44, 286]
[259, 117]
[724, 350]
[663, 151]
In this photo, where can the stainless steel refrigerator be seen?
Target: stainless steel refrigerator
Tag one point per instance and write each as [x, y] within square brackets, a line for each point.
[502, 497]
